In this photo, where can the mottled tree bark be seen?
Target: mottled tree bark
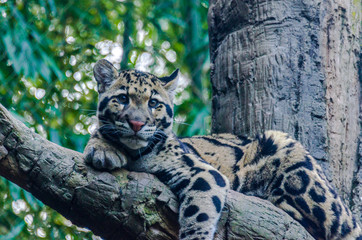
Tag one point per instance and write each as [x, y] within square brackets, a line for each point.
[122, 205]
[291, 66]
[341, 26]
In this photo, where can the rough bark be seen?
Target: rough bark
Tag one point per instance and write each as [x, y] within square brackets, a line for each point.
[341, 25]
[357, 190]
[121, 205]
[290, 66]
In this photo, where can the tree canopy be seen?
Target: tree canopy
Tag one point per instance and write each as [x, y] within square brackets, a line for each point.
[47, 51]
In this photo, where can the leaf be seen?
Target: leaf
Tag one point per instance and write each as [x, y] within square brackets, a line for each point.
[33, 202]
[14, 232]
[15, 191]
[174, 20]
[19, 117]
[53, 8]
[11, 50]
[44, 71]
[79, 141]
[52, 64]
[54, 136]
[37, 36]
[198, 126]
[18, 16]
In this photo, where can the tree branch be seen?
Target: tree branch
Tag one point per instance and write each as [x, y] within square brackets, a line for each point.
[121, 205]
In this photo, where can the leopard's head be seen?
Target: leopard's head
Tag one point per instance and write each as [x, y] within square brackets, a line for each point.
[134, 107]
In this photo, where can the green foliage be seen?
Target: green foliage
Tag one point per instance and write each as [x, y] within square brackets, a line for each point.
[47, 51]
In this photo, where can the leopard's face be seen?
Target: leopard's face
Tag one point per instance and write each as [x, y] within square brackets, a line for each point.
[134, 107]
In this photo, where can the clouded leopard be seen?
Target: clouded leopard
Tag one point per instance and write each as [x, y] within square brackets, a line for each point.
[135, 116]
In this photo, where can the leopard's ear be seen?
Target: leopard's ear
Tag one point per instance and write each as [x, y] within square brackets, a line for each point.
[105, 73]
[170, 83]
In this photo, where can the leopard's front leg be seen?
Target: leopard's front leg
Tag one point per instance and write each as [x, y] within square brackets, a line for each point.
[201, 205]
[201, 190]
[102, 155]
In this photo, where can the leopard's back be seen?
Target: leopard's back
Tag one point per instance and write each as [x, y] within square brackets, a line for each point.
[275, 167]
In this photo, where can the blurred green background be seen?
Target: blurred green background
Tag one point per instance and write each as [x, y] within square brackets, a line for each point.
[47, 51]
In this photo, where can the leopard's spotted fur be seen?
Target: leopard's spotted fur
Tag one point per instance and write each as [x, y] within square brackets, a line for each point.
[135, 120]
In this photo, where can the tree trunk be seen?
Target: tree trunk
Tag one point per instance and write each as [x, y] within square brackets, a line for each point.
[122, 205]
[291, 66]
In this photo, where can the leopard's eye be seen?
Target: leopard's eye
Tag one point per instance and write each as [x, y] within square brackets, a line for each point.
[123, 98]
[153, 103]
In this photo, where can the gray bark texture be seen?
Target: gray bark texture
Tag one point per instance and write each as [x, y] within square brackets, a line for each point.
[292, 66]
[122, 205]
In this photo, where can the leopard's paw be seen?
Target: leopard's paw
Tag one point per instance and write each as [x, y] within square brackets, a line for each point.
[103, 156]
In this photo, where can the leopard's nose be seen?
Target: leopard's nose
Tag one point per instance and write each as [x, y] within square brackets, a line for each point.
[136, 125]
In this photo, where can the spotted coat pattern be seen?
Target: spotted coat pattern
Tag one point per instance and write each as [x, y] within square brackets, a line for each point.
[135, 116]
[277, 168]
